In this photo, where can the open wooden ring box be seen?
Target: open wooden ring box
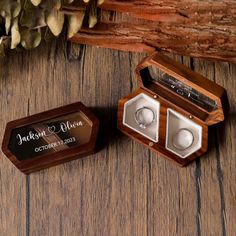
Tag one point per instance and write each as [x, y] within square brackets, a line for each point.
[184, 104]
[50, 138]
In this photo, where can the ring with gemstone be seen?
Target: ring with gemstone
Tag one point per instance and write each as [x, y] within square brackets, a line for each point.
[144, 117]
[183, 139]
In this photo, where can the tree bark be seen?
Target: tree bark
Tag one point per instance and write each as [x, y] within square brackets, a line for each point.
[198, 29]
[178, 12]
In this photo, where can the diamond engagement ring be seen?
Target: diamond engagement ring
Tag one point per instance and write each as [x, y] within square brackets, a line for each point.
[144, 117]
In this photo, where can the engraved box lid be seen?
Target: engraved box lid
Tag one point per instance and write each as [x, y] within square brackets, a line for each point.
[52, 137]
[202, 98]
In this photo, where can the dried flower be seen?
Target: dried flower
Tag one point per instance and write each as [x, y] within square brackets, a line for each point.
[24, 23]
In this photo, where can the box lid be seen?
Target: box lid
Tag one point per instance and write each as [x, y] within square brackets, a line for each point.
[52, 137]
[202, 98]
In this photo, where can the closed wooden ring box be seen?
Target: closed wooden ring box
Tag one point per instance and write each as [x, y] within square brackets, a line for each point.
[180, 99]
[50, 138]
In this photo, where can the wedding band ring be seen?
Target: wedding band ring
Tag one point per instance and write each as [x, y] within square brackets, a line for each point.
[183, 139]
[143, 120]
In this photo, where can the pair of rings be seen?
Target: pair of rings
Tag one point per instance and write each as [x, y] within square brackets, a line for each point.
[182, 138]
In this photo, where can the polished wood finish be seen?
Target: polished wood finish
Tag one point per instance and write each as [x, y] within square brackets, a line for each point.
[190, 78]
[160, 146]
[178, 103]
[58, 156]
[125, 189]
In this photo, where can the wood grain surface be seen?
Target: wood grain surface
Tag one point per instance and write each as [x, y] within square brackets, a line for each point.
[124, 189]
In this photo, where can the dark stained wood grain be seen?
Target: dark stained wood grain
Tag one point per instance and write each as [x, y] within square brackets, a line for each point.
[53, 156]
[188, 77]
[226, 153]
[124, 189]
[209, 184]
[160, 146]
[13, 190]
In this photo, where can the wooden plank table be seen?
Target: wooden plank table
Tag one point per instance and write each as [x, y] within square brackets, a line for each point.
[124, 189]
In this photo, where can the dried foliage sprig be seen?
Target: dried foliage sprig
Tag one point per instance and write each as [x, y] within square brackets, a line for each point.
[25, 23]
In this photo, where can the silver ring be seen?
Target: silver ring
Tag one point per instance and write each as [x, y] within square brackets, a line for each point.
[183, 139]
[140, 118]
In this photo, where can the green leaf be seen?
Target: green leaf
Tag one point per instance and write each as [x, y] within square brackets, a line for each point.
[36, 2]
[30, 38]
[15, 34]
[23, 23]
[33, 19]
[100, 2]
[75, 23]
[92, 9]
[55, 22]
[7, 23]
[15, 9]
[48, 35]
[2, 48]
[5, 7]
[51, 4]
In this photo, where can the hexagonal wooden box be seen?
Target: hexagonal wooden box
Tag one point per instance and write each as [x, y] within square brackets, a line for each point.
[180, 99]
[50, 138]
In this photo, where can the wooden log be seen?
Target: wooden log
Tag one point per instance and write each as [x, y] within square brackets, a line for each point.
[176, 12]
[201, 42]
[197, 29]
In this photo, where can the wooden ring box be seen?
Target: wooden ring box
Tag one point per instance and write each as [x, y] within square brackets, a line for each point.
[181, 99]
[50, 138]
